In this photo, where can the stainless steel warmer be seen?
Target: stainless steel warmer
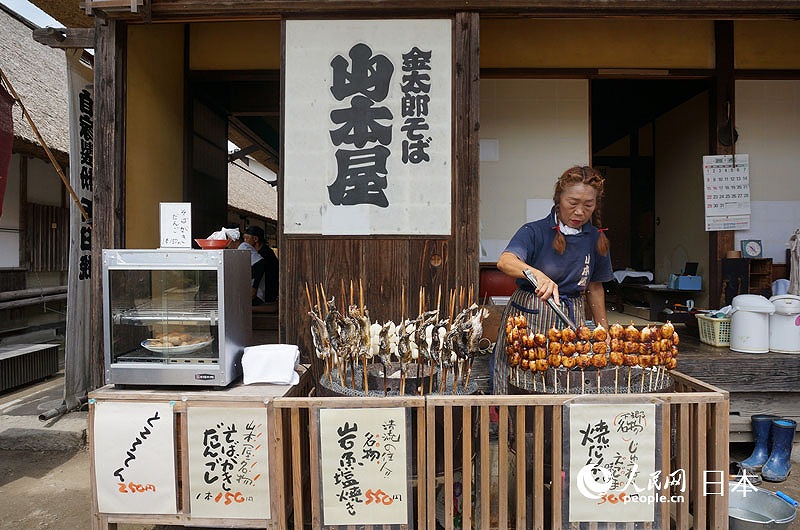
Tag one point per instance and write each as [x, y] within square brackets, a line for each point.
[175, 316]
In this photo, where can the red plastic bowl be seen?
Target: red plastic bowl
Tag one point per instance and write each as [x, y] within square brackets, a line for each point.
[212, 244]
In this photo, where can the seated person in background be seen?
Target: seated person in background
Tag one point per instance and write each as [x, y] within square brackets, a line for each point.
[254, 236]
[257, 274]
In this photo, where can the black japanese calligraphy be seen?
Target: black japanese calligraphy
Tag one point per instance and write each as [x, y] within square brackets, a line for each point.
[130, 454]
[362, 174]
[416, 84]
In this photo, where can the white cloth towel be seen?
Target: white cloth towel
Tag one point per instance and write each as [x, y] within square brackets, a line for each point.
[225, 233]
[271, 363]
[621, 275]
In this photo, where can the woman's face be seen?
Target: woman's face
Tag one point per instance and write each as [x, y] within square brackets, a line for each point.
[577, 204]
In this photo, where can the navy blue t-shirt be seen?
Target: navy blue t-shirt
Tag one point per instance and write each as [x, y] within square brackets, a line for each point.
[573, 270]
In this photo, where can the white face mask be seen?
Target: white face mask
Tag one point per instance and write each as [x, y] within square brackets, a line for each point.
[566, 230]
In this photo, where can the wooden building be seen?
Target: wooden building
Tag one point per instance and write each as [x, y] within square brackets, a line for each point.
[642, 89]
[34, 229]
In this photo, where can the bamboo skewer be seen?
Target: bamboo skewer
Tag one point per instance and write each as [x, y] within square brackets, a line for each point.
[308, 297]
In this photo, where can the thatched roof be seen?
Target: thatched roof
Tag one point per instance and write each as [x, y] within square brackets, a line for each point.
[38, 73]
[68, 12]
[249, 193]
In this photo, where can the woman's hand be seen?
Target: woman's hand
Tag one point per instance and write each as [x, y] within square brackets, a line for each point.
[547, 287]
[515, 267]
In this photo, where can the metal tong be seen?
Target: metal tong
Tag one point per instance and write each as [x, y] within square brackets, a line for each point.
[557, 310]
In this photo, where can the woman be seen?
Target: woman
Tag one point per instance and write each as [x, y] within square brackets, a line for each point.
[568, 256]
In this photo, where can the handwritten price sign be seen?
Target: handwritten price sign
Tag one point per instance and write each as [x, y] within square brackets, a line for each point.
[228, 462]
[134, 452]
[363, 468]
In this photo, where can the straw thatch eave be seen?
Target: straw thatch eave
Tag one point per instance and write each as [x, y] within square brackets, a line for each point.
[68, 12]
[251, 194]
[39, 76]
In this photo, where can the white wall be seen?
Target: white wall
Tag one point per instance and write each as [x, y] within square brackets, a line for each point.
[681, 141]
[768, 122]
[541, 127]
[9, 221]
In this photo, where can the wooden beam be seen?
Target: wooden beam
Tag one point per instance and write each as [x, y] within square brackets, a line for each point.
[109, 170]
[65, 37]
[161, 9]
[723, 109]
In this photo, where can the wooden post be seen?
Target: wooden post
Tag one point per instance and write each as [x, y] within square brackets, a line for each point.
[109, 169]
[723, 109]
[466, 189]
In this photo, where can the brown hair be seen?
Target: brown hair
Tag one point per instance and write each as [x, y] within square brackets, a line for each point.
[590, 177]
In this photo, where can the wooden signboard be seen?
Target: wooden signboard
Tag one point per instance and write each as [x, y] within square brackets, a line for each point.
[368, 140]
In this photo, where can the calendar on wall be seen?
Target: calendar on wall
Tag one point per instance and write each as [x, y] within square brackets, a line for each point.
[726, 192]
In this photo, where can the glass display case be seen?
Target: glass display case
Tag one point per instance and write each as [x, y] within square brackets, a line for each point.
[175, 317]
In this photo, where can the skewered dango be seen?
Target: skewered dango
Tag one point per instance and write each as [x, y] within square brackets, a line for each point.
[652, 348]
[632, 334]
[599, 334]
[616, 358]
[616, 331]
[554, 334]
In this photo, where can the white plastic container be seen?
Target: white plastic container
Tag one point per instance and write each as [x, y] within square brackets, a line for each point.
[784, 324]
[750, 323]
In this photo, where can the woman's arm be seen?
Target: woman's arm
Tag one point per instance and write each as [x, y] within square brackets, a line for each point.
[513, 266]
[596, 296]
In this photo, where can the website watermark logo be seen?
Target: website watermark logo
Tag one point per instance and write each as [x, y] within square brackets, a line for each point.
[598, 483]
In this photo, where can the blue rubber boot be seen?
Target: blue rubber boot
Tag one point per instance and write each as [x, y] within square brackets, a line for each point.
[779, 463]
[762, 426]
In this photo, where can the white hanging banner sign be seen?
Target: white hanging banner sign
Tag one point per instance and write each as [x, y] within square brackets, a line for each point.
[612, 458]
[367, 139]
[134, 457]
[78, 344]
[363, 468]
[726, 192]
[228, 462]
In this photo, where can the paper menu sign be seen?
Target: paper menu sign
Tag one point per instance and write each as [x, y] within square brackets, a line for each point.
[364, 469]
[134, 455]
[175, 224]
[228, 462]
[612, 455]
